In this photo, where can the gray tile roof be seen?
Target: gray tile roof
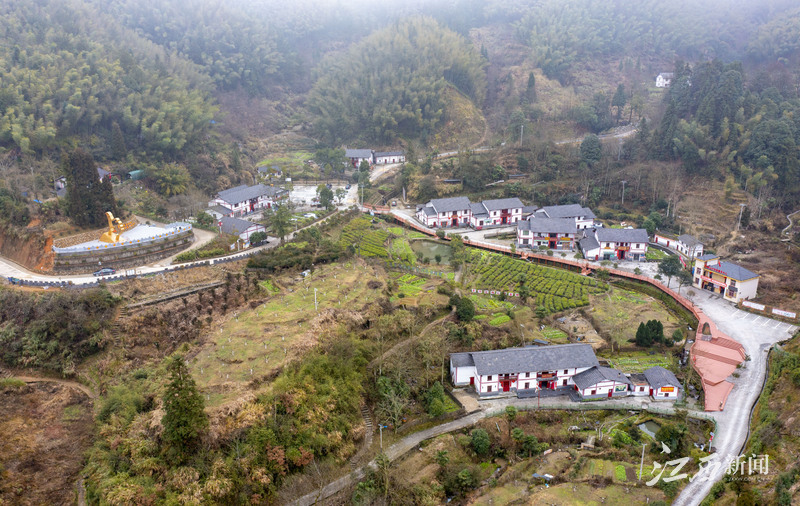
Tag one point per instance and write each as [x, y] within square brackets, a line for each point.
[707, 256]
[633, 235]
[529, 209]
[588, 243]
[638, 378]
[658, 377]
[736, 272]
[358, 153]
[389, 153]
[667, 75]
[549, 225]
[243, 193]
[478, 210]
[500, 204]
[595, 375]
[450, 204]
[539, 358]
[224, 211]
[567, 211]
[235, 226]
[689, 240]
[428, 211]
[461, 359]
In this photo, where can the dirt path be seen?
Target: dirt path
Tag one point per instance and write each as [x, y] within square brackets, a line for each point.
[66, 383]
[789, 226]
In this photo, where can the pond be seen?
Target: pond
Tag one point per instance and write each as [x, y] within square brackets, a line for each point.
[430, 249]
[650, 428]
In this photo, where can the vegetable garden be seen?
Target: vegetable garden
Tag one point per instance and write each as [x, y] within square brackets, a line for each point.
[553, 289]
[367, 240]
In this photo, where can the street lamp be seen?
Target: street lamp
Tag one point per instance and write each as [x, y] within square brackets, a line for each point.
[741, 211]
[380, 429]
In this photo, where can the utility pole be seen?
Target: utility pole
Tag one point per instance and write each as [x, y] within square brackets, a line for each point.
[521, 129]
[741, 211]
[522, 334]
[315, 300]
[623, 191]
[641, 464]
[380, 428]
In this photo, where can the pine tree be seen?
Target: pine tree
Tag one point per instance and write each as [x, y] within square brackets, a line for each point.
[118, 149]
[88, 198]
[184, 418]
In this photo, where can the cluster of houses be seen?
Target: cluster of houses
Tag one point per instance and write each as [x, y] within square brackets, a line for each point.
[568, 368]
[356, 156]
[243, 200]
[460, 212]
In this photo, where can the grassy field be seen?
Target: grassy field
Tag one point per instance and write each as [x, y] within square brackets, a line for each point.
[256, 342]
[635, 362]
[293, 161]
[616, 315]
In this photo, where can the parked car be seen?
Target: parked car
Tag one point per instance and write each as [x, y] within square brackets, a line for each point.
[348, 187]
[394, 203]
[105, 271]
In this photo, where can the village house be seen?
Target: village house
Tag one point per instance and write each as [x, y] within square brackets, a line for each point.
[242, 228]
[218, 212]
[599, 382]
[460, 212]
[384, 157]
[664, 79]
[356, 156]
[583, 216]
[685, 244]
[663, 384]
[243, 199]
[521, 370]
[614, 244]
[639, 385]
[731, 281]
[495, 212]
[552, 233]
[449, 212]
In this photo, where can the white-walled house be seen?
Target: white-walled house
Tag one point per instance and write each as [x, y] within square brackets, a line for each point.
[664, 79]
[242, 228]
[685, 244]
[489, 213]
[243, 199]
[583, 216]
[639, 385]
[552, 233]
[521, 370]
[218, 212]
[599, 382]
[663, 384]
[356, 156]
[384, 157]
[732, 281]
[450, 212]
[614, 244]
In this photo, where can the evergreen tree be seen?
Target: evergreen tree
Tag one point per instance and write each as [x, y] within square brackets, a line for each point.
[88, 198]
[530, 92]
[591, 149]
[118, 149]
[619, 100]
[184, 418]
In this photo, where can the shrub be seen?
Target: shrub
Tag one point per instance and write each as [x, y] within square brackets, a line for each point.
[480, 442]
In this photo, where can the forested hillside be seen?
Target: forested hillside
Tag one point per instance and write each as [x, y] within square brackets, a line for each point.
[391, 84]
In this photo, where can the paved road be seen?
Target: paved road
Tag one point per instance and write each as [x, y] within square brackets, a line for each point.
[757, 334]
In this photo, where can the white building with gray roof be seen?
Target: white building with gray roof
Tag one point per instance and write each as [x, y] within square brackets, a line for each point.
[521, 370]
[663, 384]
[551, 233]
[460, 212]
[601, 382]
[583, 216]
[685, 244]
[614, 244]
[243, 199]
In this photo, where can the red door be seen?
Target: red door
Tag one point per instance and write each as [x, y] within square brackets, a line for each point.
[609, 393]
[506, 385]
[472, 380]
[651, 392]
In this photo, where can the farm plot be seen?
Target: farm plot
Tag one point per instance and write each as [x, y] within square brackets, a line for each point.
[400, 251]
[367, 239]
[617, 313]
[553, 289]
[639, 362]
[257, 342]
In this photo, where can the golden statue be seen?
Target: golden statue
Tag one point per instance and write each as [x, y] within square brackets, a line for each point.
[115, 229]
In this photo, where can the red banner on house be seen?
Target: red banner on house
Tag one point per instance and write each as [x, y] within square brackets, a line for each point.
[712, 281]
